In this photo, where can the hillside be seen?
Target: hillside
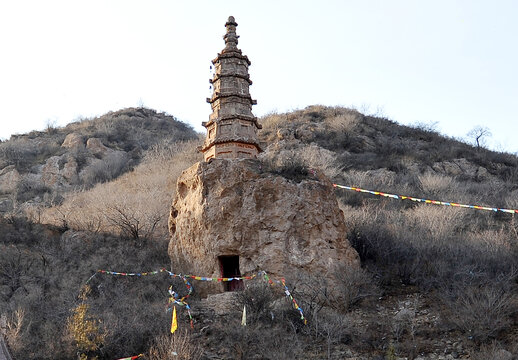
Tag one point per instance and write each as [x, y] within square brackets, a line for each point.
[38, 168]
[436, 282]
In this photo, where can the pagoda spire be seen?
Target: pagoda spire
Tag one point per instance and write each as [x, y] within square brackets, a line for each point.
[230, 37]
[232, 128]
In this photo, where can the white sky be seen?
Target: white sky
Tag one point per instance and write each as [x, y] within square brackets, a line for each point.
[449, 61]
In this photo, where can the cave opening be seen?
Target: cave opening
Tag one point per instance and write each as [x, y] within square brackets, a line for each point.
[229, 267]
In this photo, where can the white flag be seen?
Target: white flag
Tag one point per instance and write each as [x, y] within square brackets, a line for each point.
[243, 319]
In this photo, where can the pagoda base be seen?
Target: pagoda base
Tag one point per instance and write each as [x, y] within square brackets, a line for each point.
[231, 150]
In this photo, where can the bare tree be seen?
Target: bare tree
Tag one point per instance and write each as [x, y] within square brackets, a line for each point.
[479, 135]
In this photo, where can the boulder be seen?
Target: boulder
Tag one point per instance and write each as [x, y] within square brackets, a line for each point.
[96, 147]
[9, 179]
[69, 171]
[233, 209]
[462, 166]
[6, 204]
[50, 175]
[59, 171]
[503, 355]
[73, 141]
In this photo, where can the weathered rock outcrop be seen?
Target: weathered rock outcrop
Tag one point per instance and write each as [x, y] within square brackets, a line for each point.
[73, 140]
[96, 147]
[234, 208]
[59, 171]
[9, 179]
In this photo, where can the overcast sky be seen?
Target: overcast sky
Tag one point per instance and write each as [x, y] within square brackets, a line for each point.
[449, 63]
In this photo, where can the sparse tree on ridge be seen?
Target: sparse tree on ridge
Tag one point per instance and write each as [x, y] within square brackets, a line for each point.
[479, 135]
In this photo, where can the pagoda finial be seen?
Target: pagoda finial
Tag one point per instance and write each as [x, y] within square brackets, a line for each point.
[230, 37]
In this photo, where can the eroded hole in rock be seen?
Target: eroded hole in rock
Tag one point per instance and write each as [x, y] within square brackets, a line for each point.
[229, 267]
[182, 190]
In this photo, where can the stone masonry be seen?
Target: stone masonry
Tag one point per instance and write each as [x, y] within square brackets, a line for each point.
[232, 128]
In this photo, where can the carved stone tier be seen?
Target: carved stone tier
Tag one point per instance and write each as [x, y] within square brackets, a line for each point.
[232, 128]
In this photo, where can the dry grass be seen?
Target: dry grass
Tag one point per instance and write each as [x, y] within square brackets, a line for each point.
[311, 157]
[483, 312]
[438, 223]
[343, 122]
[494, 351]
[435, 184]
[136, 204]
[177, 346]
[15, 327]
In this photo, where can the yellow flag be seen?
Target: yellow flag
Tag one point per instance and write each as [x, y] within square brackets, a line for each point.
[174, 324]
[243, 319]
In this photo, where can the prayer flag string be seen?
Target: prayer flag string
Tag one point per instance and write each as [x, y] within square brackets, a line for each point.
[175, 299]
[295, 305]
[132, 357]
[426, 201]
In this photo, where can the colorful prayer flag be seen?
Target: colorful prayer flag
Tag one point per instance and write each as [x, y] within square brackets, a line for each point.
[132, 357]
[174, 323]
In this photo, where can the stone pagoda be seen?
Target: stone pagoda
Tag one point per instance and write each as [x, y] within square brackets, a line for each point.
[232, 128]
[230, 218]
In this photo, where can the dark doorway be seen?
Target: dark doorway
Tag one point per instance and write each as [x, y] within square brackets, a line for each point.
[229, 266]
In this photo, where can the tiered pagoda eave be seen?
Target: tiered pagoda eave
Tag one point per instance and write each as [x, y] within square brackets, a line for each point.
[232, 128]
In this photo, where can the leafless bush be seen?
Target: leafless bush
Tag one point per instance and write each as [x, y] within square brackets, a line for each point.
[167, 151]
[15, 327]
[343, 122]
[272, 121]
[29, 188]
[288, 165]
[332, 327]
[17, 152]
[16, 268]
[177, 346]
[258, 299]
[482, 311]
[439, 223]
[295, 164]
[315, 157]
[245, 341]
[108, 168]
[259, 342]
[492, 351]
[371, 179]
[493, 242]
[131, 222]
[25, 152]
[436, 184]
[404, 321]
[312, 291]
[355, 284]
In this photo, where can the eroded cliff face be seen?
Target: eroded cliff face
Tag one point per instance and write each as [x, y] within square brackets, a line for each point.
[234, 208]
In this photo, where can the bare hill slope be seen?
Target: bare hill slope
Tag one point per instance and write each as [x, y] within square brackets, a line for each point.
[39, 167]
[436, 282]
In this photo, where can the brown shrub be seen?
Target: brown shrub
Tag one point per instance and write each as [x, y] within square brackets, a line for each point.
[355, 285]
[177, 346]
[492, 351]
[258, 299]
[482, 311]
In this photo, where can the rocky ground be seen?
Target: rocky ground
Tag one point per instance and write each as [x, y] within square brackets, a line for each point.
[403, 325]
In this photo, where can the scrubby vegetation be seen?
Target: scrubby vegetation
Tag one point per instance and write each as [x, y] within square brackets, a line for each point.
[430, 274]
[463, 261]
[39, 168]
